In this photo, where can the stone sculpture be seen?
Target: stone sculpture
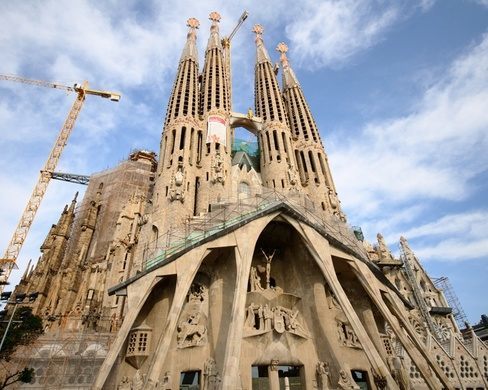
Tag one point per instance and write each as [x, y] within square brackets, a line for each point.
[177, 188]
[191, 332]
[322, 373]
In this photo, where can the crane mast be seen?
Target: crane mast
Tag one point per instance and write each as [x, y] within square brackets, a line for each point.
[8, 262]
[226, 52]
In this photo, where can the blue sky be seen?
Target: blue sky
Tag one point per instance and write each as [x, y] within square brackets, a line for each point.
[399, 91]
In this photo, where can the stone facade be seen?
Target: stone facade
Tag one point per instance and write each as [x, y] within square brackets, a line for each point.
[204, 271]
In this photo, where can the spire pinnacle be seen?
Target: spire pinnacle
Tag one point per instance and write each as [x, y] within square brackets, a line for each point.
[282, 49]
[262, 53]
[193, 24]
[214, 40]
[258, 30]
[289, 78]
[190, 50]
[73, 202]
[214, 17]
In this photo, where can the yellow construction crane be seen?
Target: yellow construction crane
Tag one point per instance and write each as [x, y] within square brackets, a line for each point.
[226, 45]
[7, 263]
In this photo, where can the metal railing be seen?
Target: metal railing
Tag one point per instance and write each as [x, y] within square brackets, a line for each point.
[230, 213]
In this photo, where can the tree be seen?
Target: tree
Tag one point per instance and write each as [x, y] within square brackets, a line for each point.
[24, 329]
[26, 375]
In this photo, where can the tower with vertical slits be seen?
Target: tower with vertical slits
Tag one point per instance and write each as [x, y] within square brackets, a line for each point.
[278, 165]
[181, 144]
[212, 183]
[310, 155]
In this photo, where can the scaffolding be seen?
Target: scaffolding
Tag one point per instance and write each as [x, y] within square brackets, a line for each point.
[234, 212]
[445, 286]
[64, 359]
[416, 292]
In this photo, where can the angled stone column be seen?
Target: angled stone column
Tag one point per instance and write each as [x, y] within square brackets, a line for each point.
[246, 241]
[412, 344]
[190, 264]
[137, 296]
[320, 250]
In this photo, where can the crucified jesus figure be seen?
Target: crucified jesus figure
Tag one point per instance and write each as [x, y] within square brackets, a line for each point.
[269, 258]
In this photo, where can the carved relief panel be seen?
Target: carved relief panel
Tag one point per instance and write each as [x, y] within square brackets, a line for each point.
[269, 308]
[192, 327]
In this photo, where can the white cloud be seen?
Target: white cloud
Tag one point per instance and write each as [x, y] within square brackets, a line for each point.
[482, 2]
[453, 249]
[474, 224]
[328, 33]
[430, 153]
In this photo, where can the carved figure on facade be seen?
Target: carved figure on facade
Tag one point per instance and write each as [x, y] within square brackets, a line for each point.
[264, 318]
[274, 364]
[177, 187]
[255, 280]
[198, 293]
[211, 377]
[137, 381]
[345, 381]
[166, 384]
[346, 334]
[322, 373]
[218, 172]
[191, 332]
[269, 259]
[333, 303]
[334, 202]
[268, 318]
[292, 175]
[124, 384]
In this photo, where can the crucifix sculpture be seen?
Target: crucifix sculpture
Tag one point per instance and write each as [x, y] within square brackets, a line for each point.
[268, 258]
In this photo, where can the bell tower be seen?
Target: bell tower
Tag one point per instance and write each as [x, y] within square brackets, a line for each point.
[181, 143]
[310, 155]
[213, 182]
[278, 165]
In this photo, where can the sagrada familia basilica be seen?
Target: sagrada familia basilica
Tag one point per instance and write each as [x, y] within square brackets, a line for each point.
[216, 265]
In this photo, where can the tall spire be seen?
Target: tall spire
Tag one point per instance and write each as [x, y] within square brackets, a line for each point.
[214, 40]
[278, 166]
[214, 88]
[310, 155]
[182, 143]
[184, 97]
[216, 163]
[289, 78]
[269, 104]
[261, 52]
[190, 50]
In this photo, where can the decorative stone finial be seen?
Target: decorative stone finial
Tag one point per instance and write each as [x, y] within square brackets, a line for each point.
[214, 17]
[282, 48]
[258, 30]
[193, 23]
